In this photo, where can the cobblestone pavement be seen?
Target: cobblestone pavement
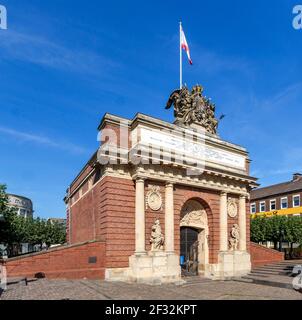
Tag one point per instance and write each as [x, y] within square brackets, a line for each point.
[100, 290]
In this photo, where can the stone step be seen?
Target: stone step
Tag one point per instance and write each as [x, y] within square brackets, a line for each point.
[283, 270]
[273, 275]
[268, 281]
[267, 272]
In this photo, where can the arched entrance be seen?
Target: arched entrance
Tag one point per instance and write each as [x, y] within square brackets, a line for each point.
[194, 232]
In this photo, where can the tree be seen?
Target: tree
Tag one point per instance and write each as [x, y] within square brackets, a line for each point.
[276, 225]
[15, 229]
[258, 229]
[274, 228]
[8, 216]
[294, 232]
[39, 231]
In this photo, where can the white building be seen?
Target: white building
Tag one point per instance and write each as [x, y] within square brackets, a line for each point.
[24, 206]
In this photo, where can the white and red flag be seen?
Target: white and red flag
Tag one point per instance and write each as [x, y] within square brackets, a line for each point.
[184, 44]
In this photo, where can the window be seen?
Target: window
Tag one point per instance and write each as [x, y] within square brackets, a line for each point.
[272, 205]
[296, 201]
[262, 206]
[253, 208]
[284, 203]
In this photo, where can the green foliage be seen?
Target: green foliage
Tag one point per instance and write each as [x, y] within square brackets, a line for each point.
[258, 229]
[15, 229]
[272, 228]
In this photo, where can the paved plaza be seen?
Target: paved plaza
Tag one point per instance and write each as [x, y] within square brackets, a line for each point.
[43, 289]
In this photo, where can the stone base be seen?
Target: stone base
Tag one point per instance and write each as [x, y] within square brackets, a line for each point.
[230, 264]
[116, 274]
[154, 268]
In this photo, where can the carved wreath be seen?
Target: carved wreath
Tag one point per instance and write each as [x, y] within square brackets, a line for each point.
[232, 208]
[154, 199]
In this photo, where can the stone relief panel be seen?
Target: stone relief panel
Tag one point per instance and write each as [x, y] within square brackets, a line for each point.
[154, 199]
[193, 214]
[232, 208]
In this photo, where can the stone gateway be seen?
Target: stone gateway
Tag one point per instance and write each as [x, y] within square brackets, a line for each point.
[167, 200]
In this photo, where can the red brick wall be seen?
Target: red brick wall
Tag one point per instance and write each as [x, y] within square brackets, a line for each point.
[86, 170]
[83, 218]
[69, 262]
[119, 207]
[87, 217]
[107, 213]
[261, 255]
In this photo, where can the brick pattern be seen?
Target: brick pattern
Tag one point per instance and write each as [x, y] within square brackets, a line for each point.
[86, 170]
[69, 262]
[261, 255]
[87, 218]
[278, 200]
[83, 218]
[119, 209]
[112, 133]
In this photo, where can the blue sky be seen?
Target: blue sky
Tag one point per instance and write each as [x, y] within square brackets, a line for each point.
[64, 63]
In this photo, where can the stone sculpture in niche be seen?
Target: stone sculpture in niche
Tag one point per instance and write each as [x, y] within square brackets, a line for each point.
[234, 240]
[157, 238]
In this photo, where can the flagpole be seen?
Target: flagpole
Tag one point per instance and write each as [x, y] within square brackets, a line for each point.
[180, 56]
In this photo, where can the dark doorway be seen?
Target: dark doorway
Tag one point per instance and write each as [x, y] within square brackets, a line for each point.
[189, 251]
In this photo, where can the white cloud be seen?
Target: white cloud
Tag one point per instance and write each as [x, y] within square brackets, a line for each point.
[283, 98]
[42, 51]
[42, 140]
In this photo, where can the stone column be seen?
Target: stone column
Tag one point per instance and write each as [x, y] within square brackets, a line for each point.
[242, 223]
[169, 218]
[223, 222]
[140, 217]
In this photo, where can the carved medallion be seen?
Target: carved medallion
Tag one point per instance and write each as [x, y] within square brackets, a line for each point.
[232, 208]
[154, 199]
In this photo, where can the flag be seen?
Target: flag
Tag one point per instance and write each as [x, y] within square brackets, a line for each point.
[184, 44]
